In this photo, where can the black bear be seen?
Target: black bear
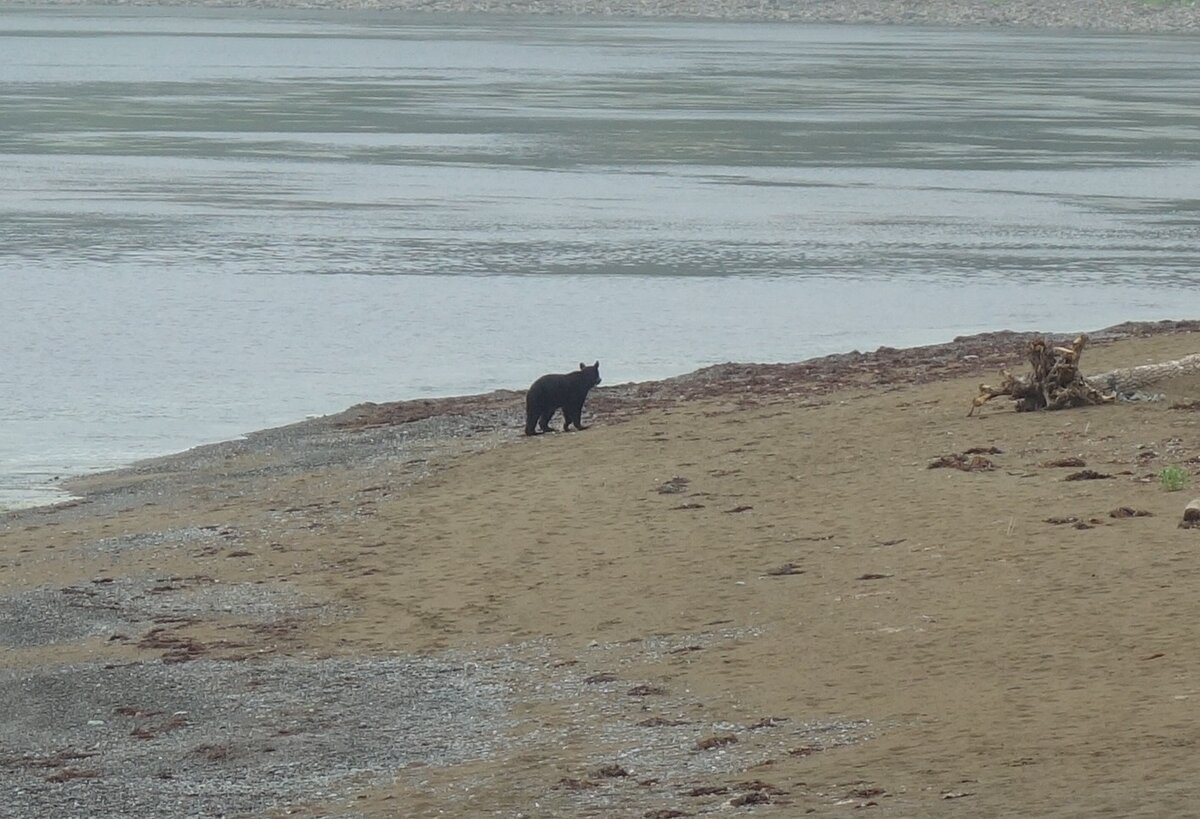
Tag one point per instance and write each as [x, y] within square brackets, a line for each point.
[565, 391]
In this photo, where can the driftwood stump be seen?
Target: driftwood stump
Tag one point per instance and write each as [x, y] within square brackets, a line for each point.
[1055, 383]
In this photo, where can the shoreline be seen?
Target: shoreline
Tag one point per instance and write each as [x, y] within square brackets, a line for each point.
[1102, 16]
[431, 429]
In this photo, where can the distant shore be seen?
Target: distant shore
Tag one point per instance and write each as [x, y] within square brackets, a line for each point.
[1144, 16]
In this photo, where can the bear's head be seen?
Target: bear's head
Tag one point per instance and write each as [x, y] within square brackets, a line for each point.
[591, 375]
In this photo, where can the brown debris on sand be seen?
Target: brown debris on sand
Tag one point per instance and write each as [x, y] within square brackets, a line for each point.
[715, 741]
[1129, 512]
[751, 798]
[673, 486]
[1087, 475]
[955, 460]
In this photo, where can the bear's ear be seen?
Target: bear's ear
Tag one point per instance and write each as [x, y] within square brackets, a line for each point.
[582, 366]
[597, 365]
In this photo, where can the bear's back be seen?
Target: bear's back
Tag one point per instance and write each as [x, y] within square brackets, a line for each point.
[558, 387]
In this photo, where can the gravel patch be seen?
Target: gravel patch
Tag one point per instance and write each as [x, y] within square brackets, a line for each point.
[108, 608]
[215, 738]
[48, 616]
[169, 538]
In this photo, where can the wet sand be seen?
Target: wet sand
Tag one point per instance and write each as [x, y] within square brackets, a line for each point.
[740, 590]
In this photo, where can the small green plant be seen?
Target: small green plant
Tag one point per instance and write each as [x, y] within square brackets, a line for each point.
[1173, 478]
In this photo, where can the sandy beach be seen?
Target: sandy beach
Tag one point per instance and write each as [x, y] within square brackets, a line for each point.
[740, 591]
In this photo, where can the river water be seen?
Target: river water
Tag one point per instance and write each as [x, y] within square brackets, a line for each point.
[213, 221]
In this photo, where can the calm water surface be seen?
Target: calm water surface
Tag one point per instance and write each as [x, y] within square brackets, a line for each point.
[216, 221]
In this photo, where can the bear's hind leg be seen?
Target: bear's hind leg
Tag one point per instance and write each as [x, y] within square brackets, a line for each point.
[544, 421]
